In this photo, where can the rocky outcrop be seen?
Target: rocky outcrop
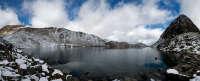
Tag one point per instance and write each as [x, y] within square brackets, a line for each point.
[180, 46]
[16, 67]
[182, 24]
[181, 35]
[186, 42]
[26, 37]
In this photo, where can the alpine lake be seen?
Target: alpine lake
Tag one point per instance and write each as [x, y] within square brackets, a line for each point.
[102, 63]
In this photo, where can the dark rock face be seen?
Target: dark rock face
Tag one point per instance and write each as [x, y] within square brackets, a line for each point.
[176, 33]
[180, 46]
[180, 25]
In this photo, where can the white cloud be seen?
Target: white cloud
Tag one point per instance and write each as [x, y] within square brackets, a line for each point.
[8, 17]
[191, 9]
[125, 23]
[48, 13]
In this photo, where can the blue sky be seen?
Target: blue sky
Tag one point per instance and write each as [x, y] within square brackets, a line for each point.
[121, 20]
[73, 7]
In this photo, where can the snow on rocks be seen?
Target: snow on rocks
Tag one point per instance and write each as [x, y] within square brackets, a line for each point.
[23, 66]
[43, 79]
[38, 60]
[4, 62]
[57, 80]
[57, 72]
[21, 63]
[67, 76]
[152, 79]
[196, 78]
[7, 71]
[45, 68]
[17, 67]
[172, 71]
[25, 80]
[116, 80]
[188, 42]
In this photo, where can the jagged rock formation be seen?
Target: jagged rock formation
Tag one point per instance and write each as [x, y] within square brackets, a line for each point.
[16, 67]
[26, 37]
[180, 45]
[180, 25]
[181, 35]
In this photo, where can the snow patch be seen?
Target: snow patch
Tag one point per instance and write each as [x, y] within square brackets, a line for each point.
[25, 80]
[197, 78]
[68, 76]
[57, 72]
[172, 71]
[4, 62]
[23, 66]
[45, 68]
[43, 79]
[57, 80]
[7, 72]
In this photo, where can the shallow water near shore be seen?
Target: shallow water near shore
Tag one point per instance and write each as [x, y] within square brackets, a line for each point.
[101, 62]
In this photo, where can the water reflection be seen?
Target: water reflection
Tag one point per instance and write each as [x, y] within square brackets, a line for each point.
[101, 61]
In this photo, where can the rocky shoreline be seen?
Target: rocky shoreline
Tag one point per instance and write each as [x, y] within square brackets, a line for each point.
[17, 67]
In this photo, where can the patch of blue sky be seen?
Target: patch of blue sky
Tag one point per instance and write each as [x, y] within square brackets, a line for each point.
[73, 7]
[171, 5]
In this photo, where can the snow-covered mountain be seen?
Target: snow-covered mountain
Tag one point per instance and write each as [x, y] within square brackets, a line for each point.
[181, 35]
[180, 46]
[26, 37]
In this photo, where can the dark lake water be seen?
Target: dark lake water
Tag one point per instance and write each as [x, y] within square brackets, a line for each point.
[101, 61]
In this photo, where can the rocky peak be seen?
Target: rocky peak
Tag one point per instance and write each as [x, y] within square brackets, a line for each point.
[182, 24]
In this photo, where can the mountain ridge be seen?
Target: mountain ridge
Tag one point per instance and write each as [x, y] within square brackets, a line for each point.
[28, 37]
[182, 24]
[51, 36]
